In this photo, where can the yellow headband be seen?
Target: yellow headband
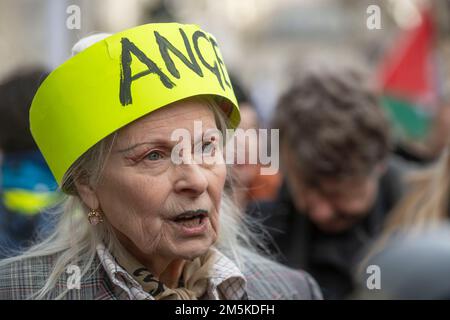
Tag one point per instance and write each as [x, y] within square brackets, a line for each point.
[121, 79]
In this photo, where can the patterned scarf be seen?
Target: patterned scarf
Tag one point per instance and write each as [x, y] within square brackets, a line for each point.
[193, 281]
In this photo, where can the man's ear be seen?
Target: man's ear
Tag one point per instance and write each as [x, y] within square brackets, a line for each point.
[86, 192]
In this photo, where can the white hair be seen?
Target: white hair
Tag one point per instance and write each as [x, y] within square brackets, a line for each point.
[74, 240]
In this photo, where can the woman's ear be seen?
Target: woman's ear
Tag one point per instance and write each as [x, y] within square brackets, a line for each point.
[86, 192]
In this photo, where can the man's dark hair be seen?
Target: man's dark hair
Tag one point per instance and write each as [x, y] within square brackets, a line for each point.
[16, 95]
[333, 124]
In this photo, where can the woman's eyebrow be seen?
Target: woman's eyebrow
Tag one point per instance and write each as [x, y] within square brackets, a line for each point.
[155, 142]
[168, 143]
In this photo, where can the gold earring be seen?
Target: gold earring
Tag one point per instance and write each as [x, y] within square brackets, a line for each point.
[95, 217]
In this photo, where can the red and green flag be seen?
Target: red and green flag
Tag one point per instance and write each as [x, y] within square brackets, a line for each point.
[408, 80]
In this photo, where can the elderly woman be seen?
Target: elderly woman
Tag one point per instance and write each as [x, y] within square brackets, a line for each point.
[138, 223]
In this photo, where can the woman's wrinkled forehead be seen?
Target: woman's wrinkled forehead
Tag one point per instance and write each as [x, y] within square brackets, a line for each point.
[190, 114]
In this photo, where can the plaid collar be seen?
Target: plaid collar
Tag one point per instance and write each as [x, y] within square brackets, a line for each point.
[226, 282]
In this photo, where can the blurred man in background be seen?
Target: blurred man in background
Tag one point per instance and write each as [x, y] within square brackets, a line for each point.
[27, 186]
[340, 182]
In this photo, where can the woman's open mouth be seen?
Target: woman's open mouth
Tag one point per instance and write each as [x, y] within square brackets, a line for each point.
[192, 222]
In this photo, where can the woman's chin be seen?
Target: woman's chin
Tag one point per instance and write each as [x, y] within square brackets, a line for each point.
[190, 251]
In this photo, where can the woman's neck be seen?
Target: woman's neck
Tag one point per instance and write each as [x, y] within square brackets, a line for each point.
[172, 274]
[167, 271]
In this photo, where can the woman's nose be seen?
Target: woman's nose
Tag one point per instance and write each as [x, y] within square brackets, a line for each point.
[191, 180]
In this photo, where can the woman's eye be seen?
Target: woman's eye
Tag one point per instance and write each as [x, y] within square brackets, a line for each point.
[153, 156]
[207, 147]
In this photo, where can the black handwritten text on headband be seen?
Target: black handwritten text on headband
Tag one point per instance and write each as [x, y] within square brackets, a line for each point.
[129, 48]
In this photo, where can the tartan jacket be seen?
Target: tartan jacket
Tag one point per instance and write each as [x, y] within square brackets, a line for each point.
[265, 280]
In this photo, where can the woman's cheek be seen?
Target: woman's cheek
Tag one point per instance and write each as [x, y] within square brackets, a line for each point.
[216, 196]
[215, 220]
[220, 175]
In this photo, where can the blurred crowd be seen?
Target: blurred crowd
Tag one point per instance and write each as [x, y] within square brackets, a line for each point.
[361, 200]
